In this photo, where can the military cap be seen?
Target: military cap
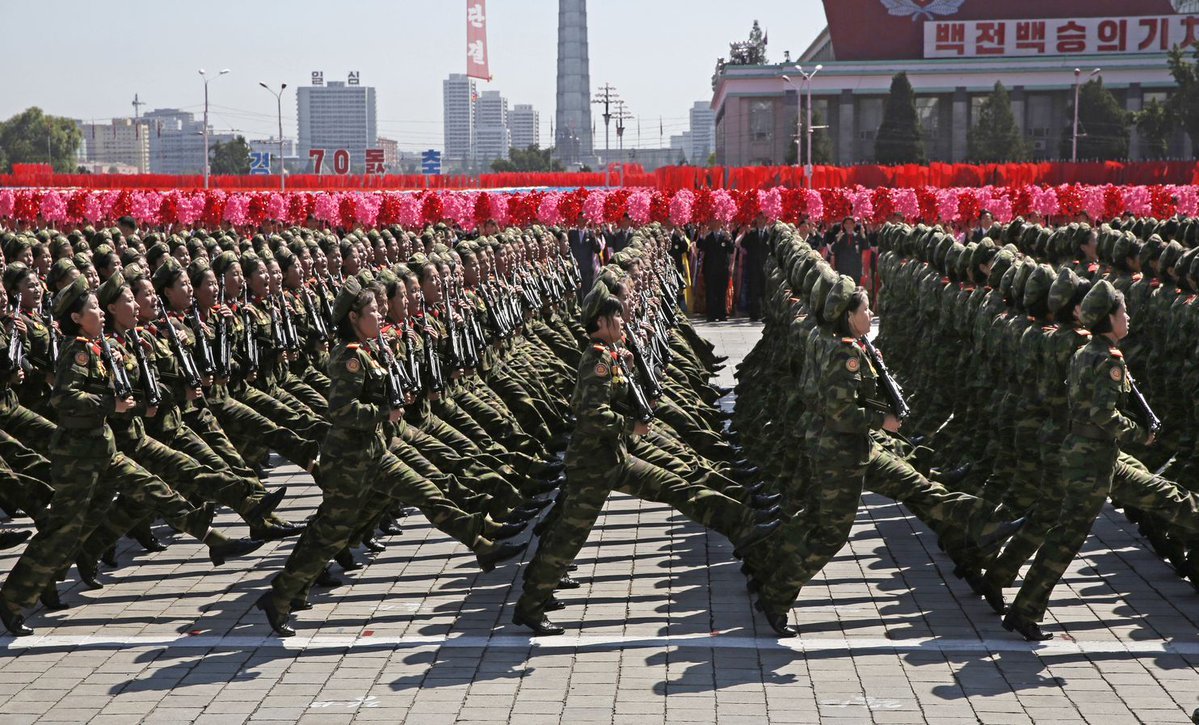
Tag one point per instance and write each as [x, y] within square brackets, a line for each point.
[1063, 288]
[591, 303]
[110, 290]
[1001, 264]
[1170, 255]
[14, 274]
[60, 269]
[1098, 303]
[167, 274]
[223, 262]
[157, 252]
[129, 255]
[69, 295]
[839, 297]
[197, 268]
[1152, 250]
[16, 245]
[818, 296]
[349, 299]
[1036, 287]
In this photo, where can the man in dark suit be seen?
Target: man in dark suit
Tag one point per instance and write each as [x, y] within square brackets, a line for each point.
[717, 247]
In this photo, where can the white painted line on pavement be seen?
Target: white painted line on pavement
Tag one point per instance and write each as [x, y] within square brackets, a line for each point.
[810, 644]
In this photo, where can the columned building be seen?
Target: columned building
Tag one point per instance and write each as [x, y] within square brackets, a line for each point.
[953, 61]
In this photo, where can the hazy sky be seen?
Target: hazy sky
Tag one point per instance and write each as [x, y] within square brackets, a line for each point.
[86, 58]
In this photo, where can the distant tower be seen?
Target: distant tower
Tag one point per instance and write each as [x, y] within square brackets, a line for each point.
[572, 132]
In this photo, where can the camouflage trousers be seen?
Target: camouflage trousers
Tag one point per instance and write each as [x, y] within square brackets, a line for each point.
[83, 490]
[842, 467]
[25, 479]
[246, 427]
[348, 483]
[1091, 472]
[583, 497]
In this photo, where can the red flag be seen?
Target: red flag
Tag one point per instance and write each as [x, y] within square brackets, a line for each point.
[476, 40]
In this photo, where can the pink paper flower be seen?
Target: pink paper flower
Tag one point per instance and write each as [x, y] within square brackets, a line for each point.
[680, 206]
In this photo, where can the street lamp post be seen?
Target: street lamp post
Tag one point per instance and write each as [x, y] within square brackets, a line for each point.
[807, 79]
[279, 107]
[798, 120]
[1077, 89]
[206, 79]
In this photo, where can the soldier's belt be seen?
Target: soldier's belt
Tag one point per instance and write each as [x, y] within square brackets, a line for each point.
[1086, 430]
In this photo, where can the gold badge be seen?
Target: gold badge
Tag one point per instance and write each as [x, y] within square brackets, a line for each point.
[1117, 374]
[81, 358]
[353, 365]
[852, 364]
[601, 370]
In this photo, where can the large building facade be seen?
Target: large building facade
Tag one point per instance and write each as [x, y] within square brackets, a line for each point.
[492, 137]
[458, 120]
[954, 51]
[177, 141]
[336, 115]
[524, 123]
[122, 142]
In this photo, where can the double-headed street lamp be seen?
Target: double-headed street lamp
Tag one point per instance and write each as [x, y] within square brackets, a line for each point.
[279, 106]
[807, 79]
[1077, 88]
[206, 79]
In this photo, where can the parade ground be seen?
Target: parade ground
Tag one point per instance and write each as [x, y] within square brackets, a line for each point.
[662, 631]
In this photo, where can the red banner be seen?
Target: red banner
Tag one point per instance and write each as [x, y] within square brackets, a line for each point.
[477, 62]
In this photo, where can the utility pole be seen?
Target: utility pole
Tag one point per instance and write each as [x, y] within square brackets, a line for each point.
[137, 129]
[1077, 88]
[205, 131]
[606, 96]
[622, 114]
[279, 109]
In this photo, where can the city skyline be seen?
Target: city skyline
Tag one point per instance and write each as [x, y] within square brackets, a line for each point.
[523, 57]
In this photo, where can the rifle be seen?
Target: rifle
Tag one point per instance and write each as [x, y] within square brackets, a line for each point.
[494, 314]
[277, 340]
[16, 344]
[55, 342]
[890, 385]
[291, 340]
[121, 386]
[203, 349]
[187, 364]
[643, 411]
[223, 356]
[149, 375]
[644, 370]
[249, 322]
[1143, 411]
[410, 360]
[433, 363]
[395, 384]
[318, 320]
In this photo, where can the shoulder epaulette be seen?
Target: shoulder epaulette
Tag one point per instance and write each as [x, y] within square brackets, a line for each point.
[353, 346]
[82, 339]
[1137, 277]
[598, 348]
[1115, 352]
[1083, 332]
[1048, 329]
[848, 340]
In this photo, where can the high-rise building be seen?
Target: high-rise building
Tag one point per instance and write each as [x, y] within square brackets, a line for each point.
[703, 133]
[123, 141]
[492, 138]
[572, 132]
[458, 120]
[177, 141]
[525, 125]
[336, 115]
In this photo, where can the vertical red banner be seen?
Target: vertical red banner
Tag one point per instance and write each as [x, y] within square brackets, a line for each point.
[476, 40]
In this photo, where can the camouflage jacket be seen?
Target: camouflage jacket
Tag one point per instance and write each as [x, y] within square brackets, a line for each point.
[357, 402]
[1098, 389]
[849, 395]
[83, 399]
[600, 408]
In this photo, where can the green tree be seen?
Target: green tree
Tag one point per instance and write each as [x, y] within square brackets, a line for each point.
[1185, 101]
[900, 140]
[531, 159]
[996, 138]
[1156, 122]
[822, 145]
[230, 158]
[1102, 125]
[32, 137]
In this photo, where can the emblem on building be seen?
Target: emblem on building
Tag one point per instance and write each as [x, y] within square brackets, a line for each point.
[1186, 7]
[922, 10]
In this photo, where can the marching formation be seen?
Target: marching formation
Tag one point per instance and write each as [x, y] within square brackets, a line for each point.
[150, 377]
[478, 380]
[1021, 352]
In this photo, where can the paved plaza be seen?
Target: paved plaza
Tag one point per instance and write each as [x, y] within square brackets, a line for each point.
[661, 632]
